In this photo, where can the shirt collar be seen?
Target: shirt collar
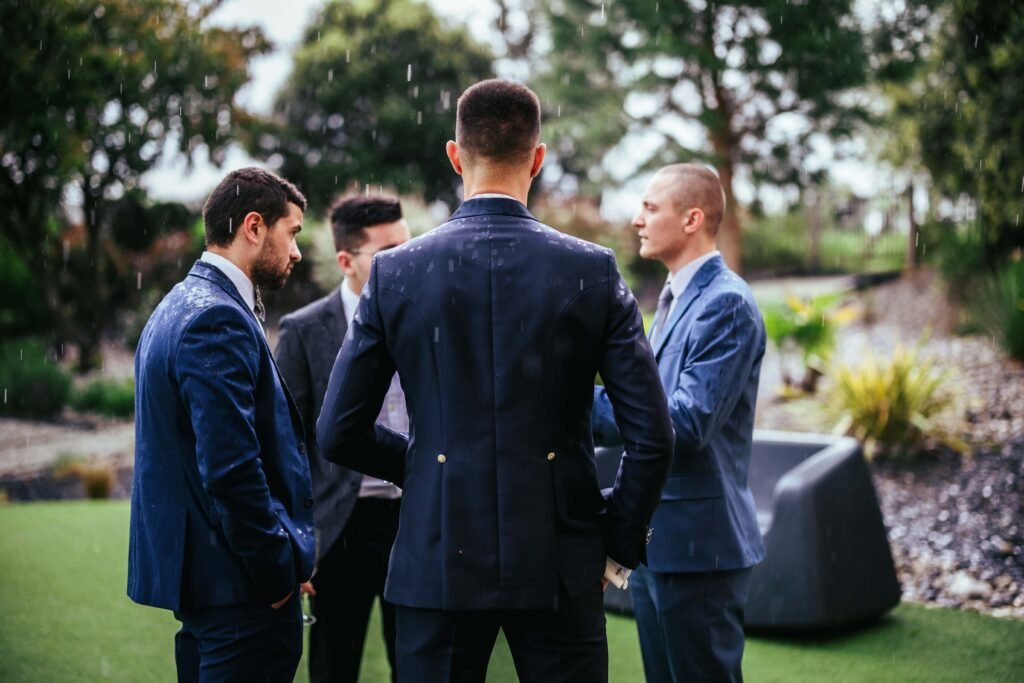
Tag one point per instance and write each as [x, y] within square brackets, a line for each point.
[680, 279]
[494, 195]
[242, 283]
[349, 302]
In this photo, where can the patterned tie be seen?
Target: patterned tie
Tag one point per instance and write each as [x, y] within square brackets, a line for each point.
[661, 315]
[259, 309]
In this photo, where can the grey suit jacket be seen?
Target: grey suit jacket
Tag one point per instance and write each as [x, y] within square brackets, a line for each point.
[308, 343]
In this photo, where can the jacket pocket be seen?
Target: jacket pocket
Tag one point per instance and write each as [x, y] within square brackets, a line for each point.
[693, 487]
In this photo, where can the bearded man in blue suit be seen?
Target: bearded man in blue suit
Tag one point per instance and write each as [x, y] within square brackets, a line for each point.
[709, 339]
[497, 325]
[221, 513]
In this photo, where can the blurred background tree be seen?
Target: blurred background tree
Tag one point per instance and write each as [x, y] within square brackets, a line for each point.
[371, 101]
[96, 94]
[745, 86]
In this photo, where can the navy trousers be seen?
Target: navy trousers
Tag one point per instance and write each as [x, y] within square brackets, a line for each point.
[246, 642]
[350, 576]
[563, 645]
[690, 625]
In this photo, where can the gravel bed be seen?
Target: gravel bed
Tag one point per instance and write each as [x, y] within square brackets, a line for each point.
[956, 524]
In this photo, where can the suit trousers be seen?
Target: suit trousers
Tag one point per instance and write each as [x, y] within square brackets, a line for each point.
[562, 645]
[690, 624]
[349, 577]
[236, 643]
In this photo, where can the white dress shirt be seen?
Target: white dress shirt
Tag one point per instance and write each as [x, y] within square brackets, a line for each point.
[392, 415]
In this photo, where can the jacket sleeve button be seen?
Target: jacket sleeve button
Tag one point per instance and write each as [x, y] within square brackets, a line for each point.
[551, 456]
[441, 458]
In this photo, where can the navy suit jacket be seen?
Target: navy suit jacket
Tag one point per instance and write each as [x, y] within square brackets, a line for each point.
[307, 344]
[496, 325]
[221, 509]
[709, 355]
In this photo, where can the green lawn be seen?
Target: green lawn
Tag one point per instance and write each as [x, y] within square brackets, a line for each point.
[64, 617]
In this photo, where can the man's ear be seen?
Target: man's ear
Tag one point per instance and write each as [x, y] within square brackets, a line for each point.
[344, 262]
[538, 159]
[452, 150]
[694, 221]
[253, 227]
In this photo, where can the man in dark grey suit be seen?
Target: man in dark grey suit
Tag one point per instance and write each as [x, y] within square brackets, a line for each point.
[356, 516]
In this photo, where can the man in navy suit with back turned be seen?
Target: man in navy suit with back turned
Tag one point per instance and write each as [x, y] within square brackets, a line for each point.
[221, 512]
[497, 325]
[709, 339]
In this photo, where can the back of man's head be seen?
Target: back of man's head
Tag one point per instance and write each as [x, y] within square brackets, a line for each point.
[244, 191]
[497, 122]
[351, 216]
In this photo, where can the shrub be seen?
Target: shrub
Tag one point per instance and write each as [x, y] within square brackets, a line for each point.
[114, 398]
[808, 326]
[999, 307]
[97, 480]
[894, 406]
[32, 383]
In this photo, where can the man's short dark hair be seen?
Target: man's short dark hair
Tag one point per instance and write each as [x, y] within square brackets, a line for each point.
[351, 216]
[242, 191]
[498, 121]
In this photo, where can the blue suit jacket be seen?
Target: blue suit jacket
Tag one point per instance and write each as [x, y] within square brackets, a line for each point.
[709, 356]
[221, 500]
[496, 325]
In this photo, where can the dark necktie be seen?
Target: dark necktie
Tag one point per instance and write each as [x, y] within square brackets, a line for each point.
[661, 314]
[258, 308]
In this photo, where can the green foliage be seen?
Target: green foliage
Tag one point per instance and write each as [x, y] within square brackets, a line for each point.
[42, 540]
[957, 251]
[113, 398]
[896, 406]
[32, 383]
[709, 81]
[95, 94]
[97, 479]
[371, 101]
[966, 105]
[22, 307]
[999, 307]
[808, 326]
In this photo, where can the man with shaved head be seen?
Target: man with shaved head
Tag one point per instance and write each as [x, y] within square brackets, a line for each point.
[708, 338]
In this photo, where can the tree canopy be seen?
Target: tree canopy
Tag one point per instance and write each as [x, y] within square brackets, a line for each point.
[744, 86]
[371, 101]
[94, 95]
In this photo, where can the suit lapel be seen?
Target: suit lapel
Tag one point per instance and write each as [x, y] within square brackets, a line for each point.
[700, 280]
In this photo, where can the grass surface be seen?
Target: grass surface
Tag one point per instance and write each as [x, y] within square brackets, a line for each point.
[64, 617]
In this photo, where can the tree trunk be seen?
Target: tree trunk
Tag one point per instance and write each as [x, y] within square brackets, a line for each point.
[91, 326]
[912, 259]
[730, 241]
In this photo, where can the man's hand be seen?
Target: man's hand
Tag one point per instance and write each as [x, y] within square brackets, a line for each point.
[280, 603]
[604, 584]
[307, 588]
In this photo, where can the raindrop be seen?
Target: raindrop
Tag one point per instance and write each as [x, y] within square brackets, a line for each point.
[231, 226]
[419, 118]
[975, 40]
[330, 75]
[415, 91]
[348, 56]
[5, 395]
[559, 113]
[408, 73]
[602, 12]
[138, 280]
[657, 7]
[437, 334]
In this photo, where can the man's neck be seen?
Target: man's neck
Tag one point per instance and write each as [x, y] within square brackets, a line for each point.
[516, 186]
[689, 256]
[351, 286]
[230, 255]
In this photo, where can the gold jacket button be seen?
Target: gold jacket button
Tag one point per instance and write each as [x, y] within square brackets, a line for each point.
[551, 456]
[441, 458]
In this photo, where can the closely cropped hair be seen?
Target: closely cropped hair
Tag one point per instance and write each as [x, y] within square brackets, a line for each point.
[698, 186]
[242, 191]
[498, 121]
[351, 216]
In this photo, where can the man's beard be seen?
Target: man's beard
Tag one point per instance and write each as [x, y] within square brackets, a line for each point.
[266, 273]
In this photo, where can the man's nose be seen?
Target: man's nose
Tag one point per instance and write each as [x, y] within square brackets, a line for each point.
[294, 254]
[638, 221]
